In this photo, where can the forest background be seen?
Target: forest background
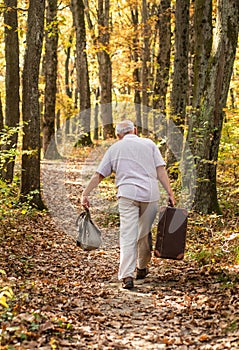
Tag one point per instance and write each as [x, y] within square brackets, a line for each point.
[65, 68]
[174, 61]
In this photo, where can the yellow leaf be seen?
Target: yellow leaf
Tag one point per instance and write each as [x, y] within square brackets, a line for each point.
[3, 301]
[52, 343]
[8, 293]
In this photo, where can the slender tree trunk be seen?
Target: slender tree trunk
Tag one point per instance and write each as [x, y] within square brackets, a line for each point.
[67, 71]
[30, 179]
[49, 143]
[68, 85]
[145, 68]
[163, 60]
[105, 68]
[179, 98]
[136, 72]
[1, 114]
[82, 71]
[12, 113]
[101, 42]
[205, 126]
[96, 114]
[179, 93]
[202, 29]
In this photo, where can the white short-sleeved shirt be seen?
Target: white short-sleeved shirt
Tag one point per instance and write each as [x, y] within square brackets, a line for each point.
[134, 161]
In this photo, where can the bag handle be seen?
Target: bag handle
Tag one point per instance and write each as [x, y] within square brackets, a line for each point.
[84, 213]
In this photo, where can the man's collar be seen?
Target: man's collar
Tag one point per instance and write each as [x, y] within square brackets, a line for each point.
[129, 136]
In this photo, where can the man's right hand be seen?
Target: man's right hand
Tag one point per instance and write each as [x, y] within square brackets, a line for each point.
[85, 202]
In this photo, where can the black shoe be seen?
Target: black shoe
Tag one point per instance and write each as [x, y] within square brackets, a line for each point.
[128, 283]
[141, 273]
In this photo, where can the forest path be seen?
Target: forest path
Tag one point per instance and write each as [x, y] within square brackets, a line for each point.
[66, 298]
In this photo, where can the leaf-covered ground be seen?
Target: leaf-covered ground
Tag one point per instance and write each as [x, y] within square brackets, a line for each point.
[65, 298]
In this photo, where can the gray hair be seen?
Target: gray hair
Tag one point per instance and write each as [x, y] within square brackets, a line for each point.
[123, 127]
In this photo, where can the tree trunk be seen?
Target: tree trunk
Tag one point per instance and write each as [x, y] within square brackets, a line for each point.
[136, 72]
[12, 113]
[105, 68]
[206, 123]
[67, 72]
[178, 98]
[179, 93]
[49, 143]
[1, 114]
[163, 60]
[30, 179]
[82, 71]
[145, 69]
[96, 114]
[202, 29]
[101, 42]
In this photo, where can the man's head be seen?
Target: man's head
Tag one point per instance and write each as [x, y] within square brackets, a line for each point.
[125, 127]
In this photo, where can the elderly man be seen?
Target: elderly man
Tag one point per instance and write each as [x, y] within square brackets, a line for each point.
[138, 165]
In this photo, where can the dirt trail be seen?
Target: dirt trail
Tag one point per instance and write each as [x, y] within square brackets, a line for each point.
[69, 299]
[65, 298]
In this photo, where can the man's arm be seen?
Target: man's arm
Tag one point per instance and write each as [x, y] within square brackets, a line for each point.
[163, 178]
[93, 183]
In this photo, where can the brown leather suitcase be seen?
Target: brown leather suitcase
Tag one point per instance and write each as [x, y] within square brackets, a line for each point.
[171, 233]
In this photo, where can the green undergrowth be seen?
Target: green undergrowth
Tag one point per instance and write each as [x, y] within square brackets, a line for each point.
[213, 240]
[10, 206]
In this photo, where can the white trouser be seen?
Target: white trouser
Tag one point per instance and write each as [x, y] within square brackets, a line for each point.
[136, 219]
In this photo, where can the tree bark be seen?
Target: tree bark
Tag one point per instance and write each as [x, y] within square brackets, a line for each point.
[105, 68]
[136, 72]
[179, 98]
[67, 71]
[101, 42]
[145, 69]
[96, 114]
[30, 178]
[12, 112]
[1, 114]
[163, 60]
[82, 71]
[49, 143]
[202, 29]
[206, 122]
[179, 92]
